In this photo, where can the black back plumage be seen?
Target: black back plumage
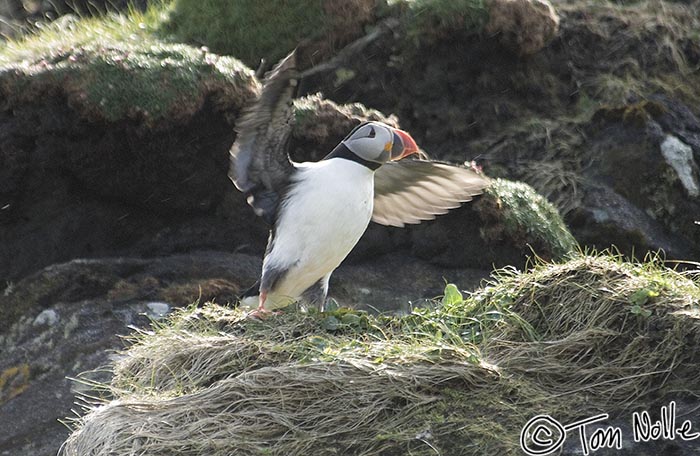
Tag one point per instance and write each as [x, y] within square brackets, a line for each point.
[260, 164]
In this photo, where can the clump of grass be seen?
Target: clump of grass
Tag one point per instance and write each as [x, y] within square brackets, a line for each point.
[252, 30]
[617, 329]
[286, 377]
[70, 31]
[112, 68]
[461, 377]
[436, 19]
[526, 217]
[247, 29]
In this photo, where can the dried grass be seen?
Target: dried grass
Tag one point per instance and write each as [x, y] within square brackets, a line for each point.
[594, 333]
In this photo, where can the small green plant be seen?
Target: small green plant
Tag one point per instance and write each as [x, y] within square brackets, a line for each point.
[452, 295]
[646, 295]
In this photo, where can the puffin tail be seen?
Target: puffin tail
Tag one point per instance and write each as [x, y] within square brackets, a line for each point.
[251, 297]
[252, 291]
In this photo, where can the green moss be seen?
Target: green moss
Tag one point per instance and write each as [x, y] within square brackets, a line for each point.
[247, 29]
[113, 69]
[527, 217]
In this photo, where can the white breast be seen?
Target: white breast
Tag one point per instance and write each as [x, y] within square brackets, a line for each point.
[321, 220]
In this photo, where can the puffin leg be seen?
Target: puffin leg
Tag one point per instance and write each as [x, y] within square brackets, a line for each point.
[271, 275]
[261, 312]
[316, 294]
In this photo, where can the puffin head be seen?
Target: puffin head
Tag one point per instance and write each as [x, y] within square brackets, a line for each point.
[378, 142]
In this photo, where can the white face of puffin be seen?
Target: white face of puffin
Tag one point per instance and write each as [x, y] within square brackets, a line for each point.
[379, 143]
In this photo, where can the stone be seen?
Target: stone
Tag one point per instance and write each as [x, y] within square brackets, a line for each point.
[47, 317]
[157, 310]
[680, 157]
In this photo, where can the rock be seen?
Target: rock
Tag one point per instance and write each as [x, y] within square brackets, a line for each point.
[177, 280]
[633, 152]
[606, 218]
[157, 310]
[680, 157]
[398, 281]
[78, 342]
[97, 301]
[47, 317]
[525, 26]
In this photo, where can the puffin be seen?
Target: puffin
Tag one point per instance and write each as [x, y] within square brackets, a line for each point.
[317, 211]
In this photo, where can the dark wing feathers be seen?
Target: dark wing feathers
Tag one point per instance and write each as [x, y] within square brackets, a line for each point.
[260, 164]
[407, 191]
[410, 191]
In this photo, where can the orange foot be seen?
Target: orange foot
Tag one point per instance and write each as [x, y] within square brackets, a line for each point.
[261, 312]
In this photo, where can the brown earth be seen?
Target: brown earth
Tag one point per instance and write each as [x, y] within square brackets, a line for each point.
[582, 120]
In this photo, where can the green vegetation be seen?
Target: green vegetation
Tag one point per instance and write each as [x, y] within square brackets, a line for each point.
[461, 377]
[527, 217]
[69, 31]
[113, 68]
[247, 29]
[432, 19]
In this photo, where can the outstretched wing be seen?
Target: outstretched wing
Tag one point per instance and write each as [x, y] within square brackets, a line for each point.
[260, 164]
[410, 191]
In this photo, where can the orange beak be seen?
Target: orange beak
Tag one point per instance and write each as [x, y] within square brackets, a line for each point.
[403, 145]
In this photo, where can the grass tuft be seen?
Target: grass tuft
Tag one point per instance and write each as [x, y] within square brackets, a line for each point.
[528, 218]
[247, 29]
[113, 68]
[460, 377]
[430, 20]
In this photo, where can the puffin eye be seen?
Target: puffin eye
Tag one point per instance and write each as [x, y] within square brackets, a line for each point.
[372, 134]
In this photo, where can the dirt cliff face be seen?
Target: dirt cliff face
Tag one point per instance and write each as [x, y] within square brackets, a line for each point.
[583, 120]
